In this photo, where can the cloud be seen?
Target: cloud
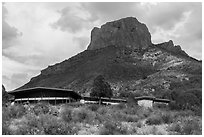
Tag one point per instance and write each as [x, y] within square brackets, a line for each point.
[11, 69]
[82, 41]
[107, 11]
[9, 33]
[185, 30]
[15, 80]
[72, 19]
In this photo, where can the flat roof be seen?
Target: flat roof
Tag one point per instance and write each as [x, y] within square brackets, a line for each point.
[152, 98]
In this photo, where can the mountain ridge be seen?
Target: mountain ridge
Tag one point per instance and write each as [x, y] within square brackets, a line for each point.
[131, 67]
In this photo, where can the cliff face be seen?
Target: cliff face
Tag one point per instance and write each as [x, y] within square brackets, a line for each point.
[128, 32]
[123, 53]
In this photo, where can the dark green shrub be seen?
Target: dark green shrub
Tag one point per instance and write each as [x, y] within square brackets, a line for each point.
[16, 111]
[191, 127]
[93, 107]
[5, 129]
[120, 106]
[74, 104]
[175, 127]
[52, 126]
[167, 118]
[125, 117]
[66, 114]
[139, 124]
[112, 128]
[187, 126]
[102, 110]
[154, 120]
[41, 108]
[82, 115]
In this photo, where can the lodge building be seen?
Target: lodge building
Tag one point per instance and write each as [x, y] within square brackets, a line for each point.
[45, 94]
[57, 96]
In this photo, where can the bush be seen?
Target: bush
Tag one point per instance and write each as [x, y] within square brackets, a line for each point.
[41, 108]
[102, 110]
[66, 114]
[5, 129]
[167, 118]
[52, 126]
[187, 126]
[74, 104]
[191, 127]
[120, 106]
[125, 117]
[175, 127]
[82, 115]
[154, 120]
[93, 107]
[112, 128]
[16, 111]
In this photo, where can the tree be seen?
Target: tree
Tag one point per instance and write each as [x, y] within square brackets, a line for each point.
[5, 96]
[101, 88]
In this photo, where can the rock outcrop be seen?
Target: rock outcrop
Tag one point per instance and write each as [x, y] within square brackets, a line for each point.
[169, 46]
[128, 32]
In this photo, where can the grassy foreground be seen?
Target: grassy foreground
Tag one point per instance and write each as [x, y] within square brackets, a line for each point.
[78, 119]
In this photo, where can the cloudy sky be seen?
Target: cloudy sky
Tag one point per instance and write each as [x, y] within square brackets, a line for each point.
[35, 35]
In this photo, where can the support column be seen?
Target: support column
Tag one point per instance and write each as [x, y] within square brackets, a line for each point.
[55, 100]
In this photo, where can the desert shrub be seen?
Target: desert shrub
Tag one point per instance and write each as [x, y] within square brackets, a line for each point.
[190, 127]
[131, 118]
[41, 108]
[5, 130]
[16, 111]
[66, 114]
[5, 114]
[52, 126]
[131, 110]
[112, 128]
[74, 104]
[125, 117]
[53, 111]
[82, 115]
[187, 126]
[167, 118]
[43, 124]
[5, 121]
[120, 106]
[102, 110]
[189, 99]
[93, 107]
[101, 118]
[26, 125]
[139, 124]
[154, 120]
[173, 106]
[184, 113]
[175, 127]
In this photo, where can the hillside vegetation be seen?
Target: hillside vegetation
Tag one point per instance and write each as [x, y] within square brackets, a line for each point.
[92, 119]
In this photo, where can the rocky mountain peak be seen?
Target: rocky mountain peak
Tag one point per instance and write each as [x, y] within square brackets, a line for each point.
[128, 32]
[169, 46]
